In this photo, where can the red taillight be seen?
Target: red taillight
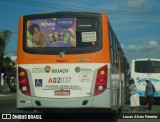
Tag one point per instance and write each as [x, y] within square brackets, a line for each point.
[101, 80]
[23, 81]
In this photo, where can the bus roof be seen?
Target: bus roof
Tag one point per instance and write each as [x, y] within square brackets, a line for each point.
[68, 14]
[144, 59]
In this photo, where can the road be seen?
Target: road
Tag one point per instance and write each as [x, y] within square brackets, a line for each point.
[8, 105]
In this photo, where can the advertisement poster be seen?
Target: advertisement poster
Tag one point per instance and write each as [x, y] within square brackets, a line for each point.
[52, 32]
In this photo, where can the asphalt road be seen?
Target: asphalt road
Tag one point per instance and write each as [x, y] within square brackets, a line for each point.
[8, 105]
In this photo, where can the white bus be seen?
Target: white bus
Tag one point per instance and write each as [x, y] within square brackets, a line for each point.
[143, 69]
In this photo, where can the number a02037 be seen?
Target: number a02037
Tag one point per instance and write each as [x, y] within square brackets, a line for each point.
[60, 80]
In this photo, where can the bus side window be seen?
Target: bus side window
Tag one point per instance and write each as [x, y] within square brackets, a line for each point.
[157, 70]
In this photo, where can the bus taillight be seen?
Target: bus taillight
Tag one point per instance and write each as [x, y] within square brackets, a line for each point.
[101, 80]
[23, 81]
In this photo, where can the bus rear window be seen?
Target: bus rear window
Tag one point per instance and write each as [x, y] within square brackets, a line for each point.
[147, 66]
[58, 34]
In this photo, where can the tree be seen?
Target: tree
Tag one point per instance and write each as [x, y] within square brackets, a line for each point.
[4, 38]
[10, 70]
[7, 62]
[9, 66]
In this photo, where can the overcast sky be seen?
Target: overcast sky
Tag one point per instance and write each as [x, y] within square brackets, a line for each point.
[135, 22]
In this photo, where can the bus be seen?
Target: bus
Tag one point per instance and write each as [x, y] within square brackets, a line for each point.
[69, 60]
[146, 69]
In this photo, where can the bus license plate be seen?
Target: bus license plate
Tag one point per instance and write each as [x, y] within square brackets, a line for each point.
[62, 93]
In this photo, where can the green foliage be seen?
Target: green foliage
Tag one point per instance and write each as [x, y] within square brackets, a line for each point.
[7, 61]
[4, 38]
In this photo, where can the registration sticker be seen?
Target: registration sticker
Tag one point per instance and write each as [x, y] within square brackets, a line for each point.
[85, 75]
[62, 92]
[89, 37]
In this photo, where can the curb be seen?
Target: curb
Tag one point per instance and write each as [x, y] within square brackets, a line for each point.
[7, 96]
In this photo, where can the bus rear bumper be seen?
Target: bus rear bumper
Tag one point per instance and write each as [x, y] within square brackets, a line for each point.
[84, 102]
[27, 102]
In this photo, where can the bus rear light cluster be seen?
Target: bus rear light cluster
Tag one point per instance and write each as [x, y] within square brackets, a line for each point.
[101, 80]
[23, 81]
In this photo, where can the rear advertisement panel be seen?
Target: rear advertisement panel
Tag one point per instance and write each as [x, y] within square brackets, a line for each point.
[52, 32]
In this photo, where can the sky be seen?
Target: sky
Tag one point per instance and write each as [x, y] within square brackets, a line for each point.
[135, 22]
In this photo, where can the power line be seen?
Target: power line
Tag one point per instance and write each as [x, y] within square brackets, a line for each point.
[35, 3]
